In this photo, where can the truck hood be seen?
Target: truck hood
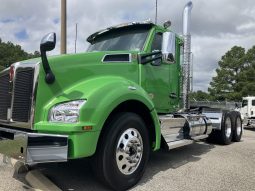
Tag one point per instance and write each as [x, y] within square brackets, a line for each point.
[87, 58]
[73, 70]
[95, 57]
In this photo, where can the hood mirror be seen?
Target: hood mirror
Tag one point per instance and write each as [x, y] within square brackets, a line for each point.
[48, 43]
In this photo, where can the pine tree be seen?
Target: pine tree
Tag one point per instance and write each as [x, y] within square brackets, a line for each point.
[10, 53]
[226, 84]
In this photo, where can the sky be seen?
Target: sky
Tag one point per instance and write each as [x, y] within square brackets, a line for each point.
[216, 25]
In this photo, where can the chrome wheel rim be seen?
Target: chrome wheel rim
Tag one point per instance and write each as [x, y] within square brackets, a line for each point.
[228, 127]
[238, 127]
[129, 151]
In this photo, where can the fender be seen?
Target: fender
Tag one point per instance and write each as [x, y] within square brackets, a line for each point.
[103, 95]
[110, 92]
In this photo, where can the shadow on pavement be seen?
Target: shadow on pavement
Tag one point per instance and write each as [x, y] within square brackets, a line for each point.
[77, 175]
[164, 160]
[250, 128]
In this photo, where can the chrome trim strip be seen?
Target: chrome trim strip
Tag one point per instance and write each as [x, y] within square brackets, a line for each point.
[32, 148]
[131, 87]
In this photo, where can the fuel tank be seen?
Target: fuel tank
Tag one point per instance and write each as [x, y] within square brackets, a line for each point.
[184, 126]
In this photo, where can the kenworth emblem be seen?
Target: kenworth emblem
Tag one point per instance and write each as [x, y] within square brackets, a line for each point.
[11, 78]
[11, 73]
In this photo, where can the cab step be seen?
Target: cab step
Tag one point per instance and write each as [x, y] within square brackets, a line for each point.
[180, 143]
[200, 137]
[183, 142]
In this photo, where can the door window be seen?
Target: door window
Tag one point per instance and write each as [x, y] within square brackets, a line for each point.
[157, 42]
[253, 103]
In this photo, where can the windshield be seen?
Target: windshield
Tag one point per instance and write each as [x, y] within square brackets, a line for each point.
[244, 103]
[117, 40]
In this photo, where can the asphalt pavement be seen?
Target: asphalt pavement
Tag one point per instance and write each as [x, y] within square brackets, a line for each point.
[197, 167]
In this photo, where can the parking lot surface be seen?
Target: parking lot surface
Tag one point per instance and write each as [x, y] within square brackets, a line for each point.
[199, 167]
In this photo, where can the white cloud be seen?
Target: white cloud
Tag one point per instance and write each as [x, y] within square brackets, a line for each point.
[216, 25]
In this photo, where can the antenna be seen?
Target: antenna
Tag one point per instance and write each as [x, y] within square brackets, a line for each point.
[156, 15]
[75, 42]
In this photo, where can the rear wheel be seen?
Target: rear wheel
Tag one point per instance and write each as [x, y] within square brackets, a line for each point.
[238, 130]
[226, 132]
[123, 152]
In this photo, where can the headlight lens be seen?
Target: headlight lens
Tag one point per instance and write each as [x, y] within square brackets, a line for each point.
[68, 112]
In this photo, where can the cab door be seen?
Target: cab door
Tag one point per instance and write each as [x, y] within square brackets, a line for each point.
[155, 78]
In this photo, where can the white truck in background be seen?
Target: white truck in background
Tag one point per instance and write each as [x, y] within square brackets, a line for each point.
[248, 111]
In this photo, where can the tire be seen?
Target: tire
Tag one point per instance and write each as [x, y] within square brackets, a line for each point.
[238, 130]
[226, 132]
[123, 152]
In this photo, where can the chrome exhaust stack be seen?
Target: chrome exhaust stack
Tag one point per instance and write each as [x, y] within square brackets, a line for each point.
[186, 55]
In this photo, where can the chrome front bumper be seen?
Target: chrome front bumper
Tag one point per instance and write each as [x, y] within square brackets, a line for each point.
[33, 148]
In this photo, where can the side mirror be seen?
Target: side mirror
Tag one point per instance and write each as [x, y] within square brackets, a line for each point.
[168, 48]
[48, 42]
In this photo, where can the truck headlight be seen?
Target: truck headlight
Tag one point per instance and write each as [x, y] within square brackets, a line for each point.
[67, 112]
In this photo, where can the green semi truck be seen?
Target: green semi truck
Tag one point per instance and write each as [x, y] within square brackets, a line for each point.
[125, 97]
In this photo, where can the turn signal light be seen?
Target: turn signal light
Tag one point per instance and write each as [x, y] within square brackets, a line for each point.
[87, 128]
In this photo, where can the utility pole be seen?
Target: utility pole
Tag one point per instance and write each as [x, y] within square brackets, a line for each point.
[76, 28]
[63, 27]
[156, 15]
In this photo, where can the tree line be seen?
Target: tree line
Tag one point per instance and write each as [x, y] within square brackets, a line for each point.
[11, 53]
[235, 77]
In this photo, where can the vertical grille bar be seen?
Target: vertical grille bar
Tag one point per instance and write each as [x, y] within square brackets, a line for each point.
[23, 89]
[5, 96]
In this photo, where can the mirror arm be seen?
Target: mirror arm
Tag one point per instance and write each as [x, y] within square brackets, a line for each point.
[49, 76]
[146, 58]
[154, 59]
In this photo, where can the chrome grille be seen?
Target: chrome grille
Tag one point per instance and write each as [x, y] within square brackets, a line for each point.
[5, 96]
[17, 94]
[22, 97]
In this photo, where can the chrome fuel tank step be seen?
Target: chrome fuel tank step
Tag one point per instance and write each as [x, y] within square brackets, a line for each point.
[183, 129]
[172, 128]
[180, 143]
[199, 137]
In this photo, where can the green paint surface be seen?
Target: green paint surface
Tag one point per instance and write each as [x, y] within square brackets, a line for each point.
[104, 86]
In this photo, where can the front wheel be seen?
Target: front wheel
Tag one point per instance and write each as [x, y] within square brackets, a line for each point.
[123, 152]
